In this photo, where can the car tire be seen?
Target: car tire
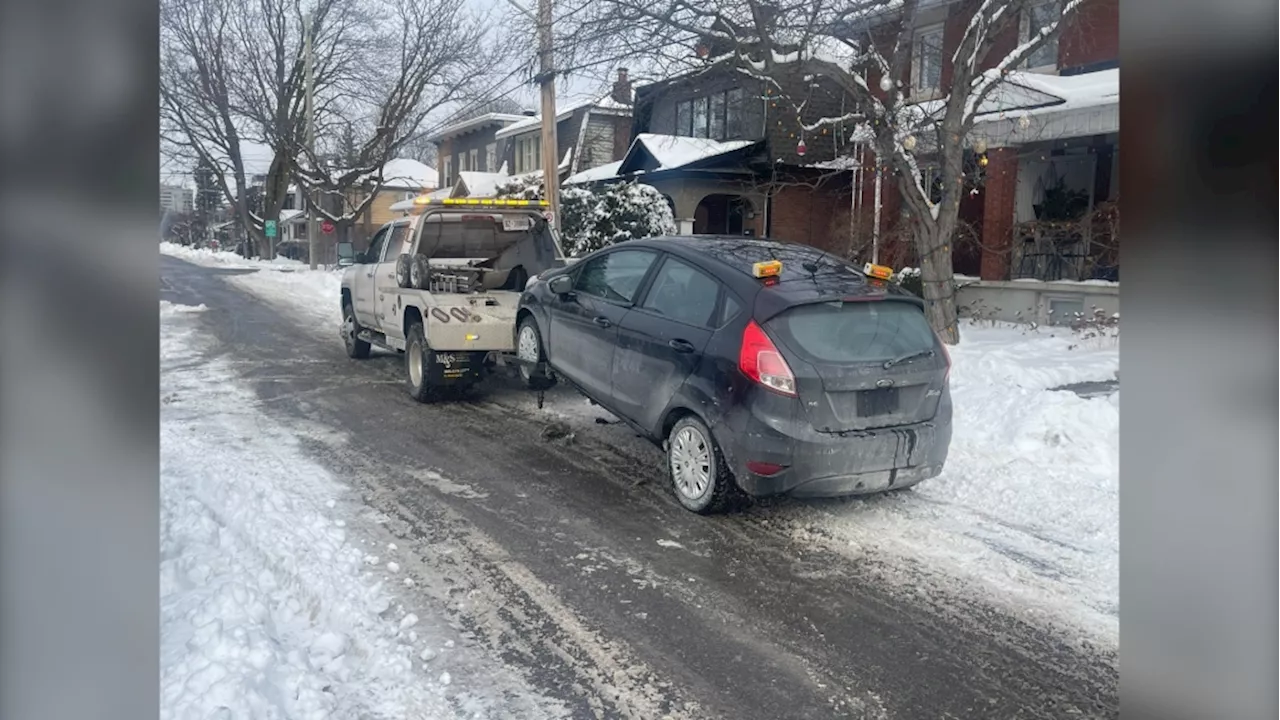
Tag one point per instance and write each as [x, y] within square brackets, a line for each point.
[417, 357]
[403, 263]
[529, 348]
[356, 348]
[419, 272]
[699, 475]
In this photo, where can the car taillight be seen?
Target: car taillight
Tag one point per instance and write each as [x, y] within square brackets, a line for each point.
[760, 360]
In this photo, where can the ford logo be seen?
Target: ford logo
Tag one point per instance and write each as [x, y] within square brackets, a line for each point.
[886, 382]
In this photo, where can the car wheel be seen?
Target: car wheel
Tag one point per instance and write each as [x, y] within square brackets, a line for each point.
[416, 358]
[356, 348]
[699, 475]
[530, 353]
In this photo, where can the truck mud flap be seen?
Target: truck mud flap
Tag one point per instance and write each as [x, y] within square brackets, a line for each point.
[452, 368]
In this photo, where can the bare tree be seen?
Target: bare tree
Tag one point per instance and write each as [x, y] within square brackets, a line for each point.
[863, 48]
[420, 57]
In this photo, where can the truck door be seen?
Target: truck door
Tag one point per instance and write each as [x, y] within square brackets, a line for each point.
[390, 311]
[364, 287]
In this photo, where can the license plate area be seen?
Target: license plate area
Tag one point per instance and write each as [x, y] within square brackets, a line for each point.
[881, 401]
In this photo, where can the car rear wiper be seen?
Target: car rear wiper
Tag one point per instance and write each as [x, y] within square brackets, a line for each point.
[909, 356]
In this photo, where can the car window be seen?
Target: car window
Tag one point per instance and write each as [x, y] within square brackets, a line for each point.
[614, 276]
[396, 244]
[853, 332]
[376, 245]
[682, 293]
[730, 309]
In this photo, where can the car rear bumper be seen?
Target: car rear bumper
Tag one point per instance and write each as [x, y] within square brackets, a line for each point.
[825, 465]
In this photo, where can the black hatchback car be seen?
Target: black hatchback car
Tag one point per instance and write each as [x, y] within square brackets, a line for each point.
[763, 366]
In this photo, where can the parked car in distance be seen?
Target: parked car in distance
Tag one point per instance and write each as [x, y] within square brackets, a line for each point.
[760, 366]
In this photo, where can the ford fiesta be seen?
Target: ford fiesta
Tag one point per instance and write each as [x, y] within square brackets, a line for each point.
[760, 366]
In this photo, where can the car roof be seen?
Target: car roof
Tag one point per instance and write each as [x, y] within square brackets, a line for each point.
[808, 273]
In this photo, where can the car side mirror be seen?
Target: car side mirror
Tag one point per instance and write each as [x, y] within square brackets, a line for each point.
[561, 285]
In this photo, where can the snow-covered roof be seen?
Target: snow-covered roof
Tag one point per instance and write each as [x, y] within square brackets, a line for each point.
[475, 122]
[407, 205]
[291, 215]
[1069, 106]
[675, 151]
[602, 172]
[604, 104]
[482, 184]
[407, 174]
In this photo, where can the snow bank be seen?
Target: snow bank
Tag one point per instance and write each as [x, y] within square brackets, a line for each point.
[224, 258]
[266, 610]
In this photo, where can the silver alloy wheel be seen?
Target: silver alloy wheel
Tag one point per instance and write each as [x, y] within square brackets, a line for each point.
[527, 344]
[691, 463]
[415, 365]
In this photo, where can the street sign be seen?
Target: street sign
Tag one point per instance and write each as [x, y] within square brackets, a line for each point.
[269, 228]
[326, 227]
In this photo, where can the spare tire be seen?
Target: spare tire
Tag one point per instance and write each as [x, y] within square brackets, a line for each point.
[419, 272]
[402, 271]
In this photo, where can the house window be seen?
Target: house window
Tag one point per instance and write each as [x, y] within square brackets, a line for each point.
[528, 154]
[1064, 310]
[931, 181]
[447, 172]
[926, 61]
[1034, 19]
[684, 118]
[717, 116]
[701, 119]
[473, 160]
[491, 157]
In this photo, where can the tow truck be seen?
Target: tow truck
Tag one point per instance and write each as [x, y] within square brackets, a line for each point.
[442, 286]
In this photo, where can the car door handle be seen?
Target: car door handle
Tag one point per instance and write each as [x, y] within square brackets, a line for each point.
[681, 346]
[602, 321]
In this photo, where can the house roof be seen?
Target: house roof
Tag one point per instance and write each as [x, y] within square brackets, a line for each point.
[602, 172]
[474, 123]
[653, 153]
[481, 184]
[407, 174]
[407, 205]
[1069, 106]
[604, 105]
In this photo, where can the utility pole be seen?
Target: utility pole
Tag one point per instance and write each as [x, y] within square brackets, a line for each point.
[313, 241]
[550, 146]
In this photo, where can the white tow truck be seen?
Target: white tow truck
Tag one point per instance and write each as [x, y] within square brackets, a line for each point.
[442, 286]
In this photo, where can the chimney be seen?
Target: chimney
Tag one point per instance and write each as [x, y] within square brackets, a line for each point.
[529, 113]
[622, 88]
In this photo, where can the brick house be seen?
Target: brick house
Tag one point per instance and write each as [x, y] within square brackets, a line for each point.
[1045, 202]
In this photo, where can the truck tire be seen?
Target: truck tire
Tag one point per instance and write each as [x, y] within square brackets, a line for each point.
[356, 348]
[529, 350]
[419, 272]
[402, 271]
[416, 356]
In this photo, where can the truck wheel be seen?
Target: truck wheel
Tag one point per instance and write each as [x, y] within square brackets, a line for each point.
[418, 272]
[402, 270]
[416, 358]
[356, 348]
[529, 352]
[699, 474]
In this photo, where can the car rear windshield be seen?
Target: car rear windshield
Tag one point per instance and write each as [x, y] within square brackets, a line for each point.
[851, 332]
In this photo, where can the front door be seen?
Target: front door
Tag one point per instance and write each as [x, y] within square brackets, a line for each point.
[390, 311]
[364, 285]
[661, 341]
[584, 324]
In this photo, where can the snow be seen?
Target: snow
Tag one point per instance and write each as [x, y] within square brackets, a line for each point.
[673, 151]
[407, 174]
[265, 609]
[224, 258]
[605, 103]
[482, 184]
[600, 172]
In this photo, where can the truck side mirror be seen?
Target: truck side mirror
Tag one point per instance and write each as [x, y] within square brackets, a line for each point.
[347, 254]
